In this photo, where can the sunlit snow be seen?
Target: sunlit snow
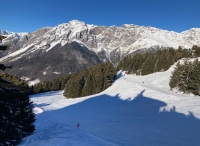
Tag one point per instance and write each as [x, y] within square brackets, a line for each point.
[134, 111]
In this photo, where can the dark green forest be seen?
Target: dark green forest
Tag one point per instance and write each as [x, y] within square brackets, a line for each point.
[161, 60]
[86, 82]
[185, 77]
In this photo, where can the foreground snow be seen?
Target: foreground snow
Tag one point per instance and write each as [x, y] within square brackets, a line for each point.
[135, 110]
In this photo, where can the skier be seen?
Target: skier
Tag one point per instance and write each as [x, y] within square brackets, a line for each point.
[78, 125]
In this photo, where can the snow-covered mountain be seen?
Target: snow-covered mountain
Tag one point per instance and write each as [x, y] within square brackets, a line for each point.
[9, 34]
[5, 32]
[109, 43]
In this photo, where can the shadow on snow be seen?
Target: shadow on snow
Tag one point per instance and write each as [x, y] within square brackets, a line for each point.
[131, 122]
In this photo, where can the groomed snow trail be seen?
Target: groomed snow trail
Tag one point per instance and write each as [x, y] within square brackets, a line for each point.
[134, 111]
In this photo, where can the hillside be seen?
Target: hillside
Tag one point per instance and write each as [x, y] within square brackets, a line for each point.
[54, 63]
[135, 110]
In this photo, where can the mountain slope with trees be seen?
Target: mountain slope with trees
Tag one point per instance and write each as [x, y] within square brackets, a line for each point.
[57, 62]
[186, 75]
[160, 60]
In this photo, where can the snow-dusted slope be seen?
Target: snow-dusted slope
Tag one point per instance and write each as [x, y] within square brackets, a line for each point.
[5, 32]
[12, 34]
[135, 110]
[192, 36]
[114, 41]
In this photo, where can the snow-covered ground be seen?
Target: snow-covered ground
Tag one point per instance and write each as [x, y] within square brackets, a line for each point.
[134, 111]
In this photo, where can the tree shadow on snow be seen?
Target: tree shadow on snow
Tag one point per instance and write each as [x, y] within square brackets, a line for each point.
[131, 122]
[41, 105]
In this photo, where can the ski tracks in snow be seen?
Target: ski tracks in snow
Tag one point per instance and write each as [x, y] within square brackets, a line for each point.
[60, 134]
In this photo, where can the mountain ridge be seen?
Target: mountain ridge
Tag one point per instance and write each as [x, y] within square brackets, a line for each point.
[124, 40]
[110, 43]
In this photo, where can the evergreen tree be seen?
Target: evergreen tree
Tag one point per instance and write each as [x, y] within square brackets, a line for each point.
[46, 86]
[88, 88]
[148, 65]
[90, 81]
[38, 88]
[64, 81]
[56, 85]
[16, 114]
[176, 76]
[196, 51]
[186, 77]
[194, 82]
[73, 87]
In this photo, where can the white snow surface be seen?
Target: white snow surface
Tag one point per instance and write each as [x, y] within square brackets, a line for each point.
[12, 34]
[56, 72]
[134, 111]
[32, 83]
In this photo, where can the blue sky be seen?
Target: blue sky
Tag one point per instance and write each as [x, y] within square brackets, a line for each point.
[29, 15]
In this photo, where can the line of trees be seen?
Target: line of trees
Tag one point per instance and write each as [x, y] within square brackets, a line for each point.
[161, 60]
[50, 85]
[86, 82]
[90, 81]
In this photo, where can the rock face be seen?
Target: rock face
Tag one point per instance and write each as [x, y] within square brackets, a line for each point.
[107, 43]
[59, 61]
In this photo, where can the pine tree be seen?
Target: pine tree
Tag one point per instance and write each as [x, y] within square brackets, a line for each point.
[194, 82]
[89, 85]
[56, 85]
[176, 74]
[46, 86]
[73, 88]
[90, 81]
[16, 114]
[64, 81]
[196, 51]
[148, 65]
[185, 76]
[38, 88]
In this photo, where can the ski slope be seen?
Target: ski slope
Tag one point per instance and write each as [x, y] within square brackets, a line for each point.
[134, 111]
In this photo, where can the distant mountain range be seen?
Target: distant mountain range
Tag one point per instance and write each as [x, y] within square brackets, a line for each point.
[13, 34]
[99, 42]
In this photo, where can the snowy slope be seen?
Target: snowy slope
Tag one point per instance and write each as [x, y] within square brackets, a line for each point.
[134, 111]
[6, 32]
[12, 34]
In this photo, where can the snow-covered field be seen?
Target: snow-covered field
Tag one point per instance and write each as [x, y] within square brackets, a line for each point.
[134, 111]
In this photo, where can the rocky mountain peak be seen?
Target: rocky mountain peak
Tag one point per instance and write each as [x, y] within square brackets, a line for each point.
[111, 43]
